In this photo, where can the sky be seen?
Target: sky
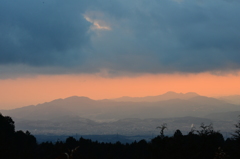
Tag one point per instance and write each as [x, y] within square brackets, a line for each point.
[107, 49]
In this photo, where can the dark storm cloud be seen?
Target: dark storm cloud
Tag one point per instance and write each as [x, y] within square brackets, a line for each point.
[41, 33]
[135, 36]
[170, 36]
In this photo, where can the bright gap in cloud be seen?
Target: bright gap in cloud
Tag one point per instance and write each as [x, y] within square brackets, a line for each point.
[97, 23]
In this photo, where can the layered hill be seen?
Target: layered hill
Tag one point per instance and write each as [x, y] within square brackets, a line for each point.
[86, 116]
[166, 96]
[234, 99]
[189, 104]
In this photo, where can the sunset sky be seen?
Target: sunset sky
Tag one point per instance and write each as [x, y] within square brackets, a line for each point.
[108, 49]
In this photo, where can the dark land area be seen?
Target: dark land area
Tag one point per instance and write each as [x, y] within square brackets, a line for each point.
[111, 138]
[201, 143]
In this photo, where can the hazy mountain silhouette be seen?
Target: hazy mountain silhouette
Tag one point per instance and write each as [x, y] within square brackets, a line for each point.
[234, 99]
[166, 96]
[109, 110]
[87, 116]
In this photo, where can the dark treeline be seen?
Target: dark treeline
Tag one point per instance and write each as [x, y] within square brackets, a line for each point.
[204, 143]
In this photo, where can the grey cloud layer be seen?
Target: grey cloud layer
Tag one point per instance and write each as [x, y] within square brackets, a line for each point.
[145, 37]
[42, 33]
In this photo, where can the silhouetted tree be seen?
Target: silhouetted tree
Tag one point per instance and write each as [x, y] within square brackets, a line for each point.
[205, 130]
[236, 134]
[7, 130]
[71, 142]
[7, 127]
[15, 144]
[162, 128]
[177, 134]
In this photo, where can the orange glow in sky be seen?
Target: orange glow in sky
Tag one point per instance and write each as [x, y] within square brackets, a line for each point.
[27, 91]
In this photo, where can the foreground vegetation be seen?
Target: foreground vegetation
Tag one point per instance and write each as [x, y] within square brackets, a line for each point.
[204, 143]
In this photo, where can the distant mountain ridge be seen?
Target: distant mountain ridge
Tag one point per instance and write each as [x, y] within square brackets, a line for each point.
[170, 105]
[234, 99]
[110, 116]
[166, 96]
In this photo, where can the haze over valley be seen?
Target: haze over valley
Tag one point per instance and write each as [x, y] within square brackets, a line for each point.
[126, 115]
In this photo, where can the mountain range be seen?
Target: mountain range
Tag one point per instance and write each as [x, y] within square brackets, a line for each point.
[234, 99]
[164, 106]
[82, 113]
[166, 96]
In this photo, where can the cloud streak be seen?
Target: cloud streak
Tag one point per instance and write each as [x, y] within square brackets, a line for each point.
[189, 36]
[96, 24]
